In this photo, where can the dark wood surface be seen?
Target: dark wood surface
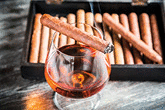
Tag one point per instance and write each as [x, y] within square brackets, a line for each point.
[17, 93]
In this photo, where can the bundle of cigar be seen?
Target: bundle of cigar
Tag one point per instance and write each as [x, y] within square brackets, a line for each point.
[136, 38]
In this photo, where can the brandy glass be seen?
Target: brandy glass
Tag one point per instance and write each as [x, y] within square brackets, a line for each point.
[76, 73]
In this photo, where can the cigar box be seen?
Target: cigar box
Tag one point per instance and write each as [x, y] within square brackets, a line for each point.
[143, 72]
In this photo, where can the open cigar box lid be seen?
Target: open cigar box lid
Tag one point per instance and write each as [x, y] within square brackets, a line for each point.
[134, 72]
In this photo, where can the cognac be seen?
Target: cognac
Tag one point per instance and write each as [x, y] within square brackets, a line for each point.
[84, 80]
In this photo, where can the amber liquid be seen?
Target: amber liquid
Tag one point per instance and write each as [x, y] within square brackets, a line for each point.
[81, 82]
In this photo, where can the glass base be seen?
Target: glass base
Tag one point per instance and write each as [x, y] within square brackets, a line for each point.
[65, 103]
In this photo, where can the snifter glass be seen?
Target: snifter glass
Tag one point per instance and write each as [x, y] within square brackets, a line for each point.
[77, 73]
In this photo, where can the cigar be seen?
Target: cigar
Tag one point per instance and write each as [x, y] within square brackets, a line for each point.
[51, 33]
[80, 20]
[98, 24]
[44, 44]
[155, 35]
[89, 21]
[128, 57]
[89, 18]
[98, 18]
[108, 38]
[35, 42]
[130, 37]
[56, 37]
[71, 19]
[76, 33]
[62, 37]
[145, 32]
[134, 28]
[118, 51]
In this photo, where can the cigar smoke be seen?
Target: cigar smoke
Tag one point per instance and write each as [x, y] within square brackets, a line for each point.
[99, 11]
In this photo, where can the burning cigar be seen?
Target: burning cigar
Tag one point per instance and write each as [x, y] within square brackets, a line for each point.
[71, 19]
[155, 35]
[130, 37]
[44, 44]
[35, 42]
[128, 57]
[134, 28]
[118, 51]
[76, 33]
[62, 37]
[145, 32]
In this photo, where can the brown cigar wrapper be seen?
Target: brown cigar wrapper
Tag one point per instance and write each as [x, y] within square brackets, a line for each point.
[126, 45]
[71, 19]
[98, 22]
[108, 38]
[145, 33]
[89, 20]
[35, 43]
[43, 44]
[80, 20]
[74, 32]
[155, 35]
[51, 33]
[130, 37]
[134, 28]
[118, 50]
[62, 38]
